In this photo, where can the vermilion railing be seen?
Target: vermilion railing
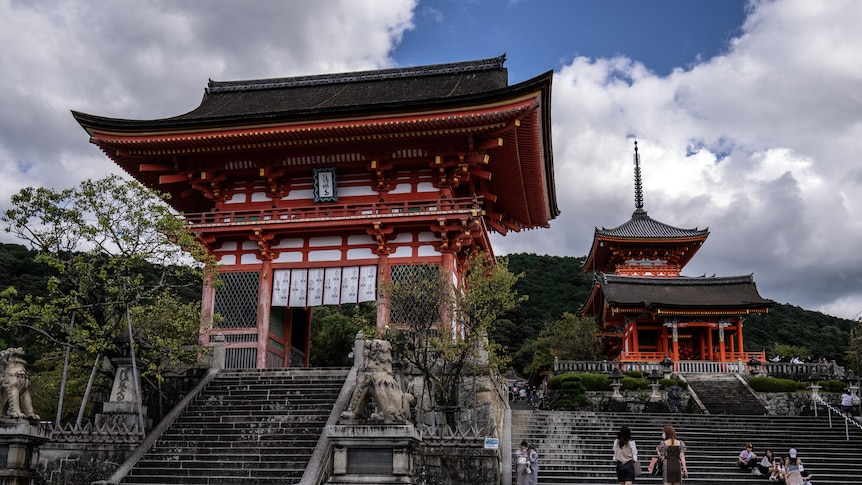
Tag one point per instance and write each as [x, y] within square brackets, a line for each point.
[330, 212]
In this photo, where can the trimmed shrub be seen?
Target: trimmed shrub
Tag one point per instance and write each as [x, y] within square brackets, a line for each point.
[635, 373]
[665, 383]
[833, 386]
[571, 396]
[634, 384]
[771, 384]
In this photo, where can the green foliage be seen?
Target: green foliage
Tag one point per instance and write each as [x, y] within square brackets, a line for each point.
[333, 332]
[832, 386]
[555, 285]
[820, 334]
[448, 327]
[634, 383]
[771, 384]
[111, 249]
[665, 383]
[635, 373]
[787, 350]
[592, 382]
[571, 337]
[572, 394]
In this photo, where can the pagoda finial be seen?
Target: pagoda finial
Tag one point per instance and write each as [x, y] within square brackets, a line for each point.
[639, 196]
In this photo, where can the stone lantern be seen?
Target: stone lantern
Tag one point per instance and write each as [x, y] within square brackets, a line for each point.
[616, 376]
[754, 367]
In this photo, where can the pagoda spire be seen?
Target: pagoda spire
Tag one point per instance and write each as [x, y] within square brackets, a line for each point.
[639, 196]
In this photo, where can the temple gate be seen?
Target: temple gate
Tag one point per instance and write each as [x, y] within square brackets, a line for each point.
[319, 190]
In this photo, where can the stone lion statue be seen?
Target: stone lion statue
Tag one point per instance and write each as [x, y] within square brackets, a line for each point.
[15, 385]
[374, 380]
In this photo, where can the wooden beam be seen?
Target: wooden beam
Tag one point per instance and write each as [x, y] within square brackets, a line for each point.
[172, 179]
[154, 167]
[483, 145]
[483, 174]
[497, 226]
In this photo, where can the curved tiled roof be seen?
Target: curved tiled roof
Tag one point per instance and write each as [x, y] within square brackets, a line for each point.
[643, 226]
[729, 292]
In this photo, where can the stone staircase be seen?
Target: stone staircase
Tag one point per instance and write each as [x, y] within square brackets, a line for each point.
[249, 427]
[725, 394]
[575, 447]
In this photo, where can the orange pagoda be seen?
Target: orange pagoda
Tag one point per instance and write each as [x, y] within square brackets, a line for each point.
[648, 311]
[318, 190]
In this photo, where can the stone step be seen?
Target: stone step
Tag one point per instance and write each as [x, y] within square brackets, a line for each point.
[246, 427]
[575, 448]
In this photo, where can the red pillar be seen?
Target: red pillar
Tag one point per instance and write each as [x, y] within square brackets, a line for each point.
[264, 303]
[739, 336]
[207, 307]
[384, 278]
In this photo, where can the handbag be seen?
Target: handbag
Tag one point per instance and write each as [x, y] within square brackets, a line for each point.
[638, 470]
[652, 465]
[658, 469]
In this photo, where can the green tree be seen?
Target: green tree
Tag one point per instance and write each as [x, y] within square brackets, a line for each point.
[100, 242]
[571, 337]
[445, 334]
[334, 329]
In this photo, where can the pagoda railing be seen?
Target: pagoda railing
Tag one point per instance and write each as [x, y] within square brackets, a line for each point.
[760, 366]
[731, 357]
[335, 212]
[657, 270]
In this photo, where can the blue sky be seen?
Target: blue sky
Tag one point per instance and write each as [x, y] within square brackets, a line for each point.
[542, 35]
[748, 113]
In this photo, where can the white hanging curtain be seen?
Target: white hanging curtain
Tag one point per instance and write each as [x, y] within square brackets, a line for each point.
[319, 286]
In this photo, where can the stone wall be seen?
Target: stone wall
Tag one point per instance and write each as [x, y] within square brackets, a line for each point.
[456, 463]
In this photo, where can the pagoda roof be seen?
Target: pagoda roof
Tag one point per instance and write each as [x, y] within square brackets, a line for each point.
[642, 230]
[669, 296]
[642, 226]
[313, 120]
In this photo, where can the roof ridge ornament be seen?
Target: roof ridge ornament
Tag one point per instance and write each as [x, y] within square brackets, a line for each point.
[639, 196]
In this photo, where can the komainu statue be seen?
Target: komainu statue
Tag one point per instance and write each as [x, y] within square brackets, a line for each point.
[15, 385]
[374, 380]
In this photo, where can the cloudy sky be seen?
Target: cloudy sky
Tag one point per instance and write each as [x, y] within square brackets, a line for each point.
[748, 115]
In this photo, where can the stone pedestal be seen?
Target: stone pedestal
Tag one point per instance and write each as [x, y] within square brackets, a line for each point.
[372, 454]
[122, 408]
[19, 451]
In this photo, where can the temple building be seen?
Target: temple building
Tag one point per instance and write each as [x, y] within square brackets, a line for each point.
[648, 311]
[320, 190]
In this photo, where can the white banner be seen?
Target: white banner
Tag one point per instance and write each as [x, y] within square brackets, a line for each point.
[318, 286]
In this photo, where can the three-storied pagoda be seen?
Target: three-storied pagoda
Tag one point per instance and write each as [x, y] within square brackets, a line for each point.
[317, 190]
[647, 311]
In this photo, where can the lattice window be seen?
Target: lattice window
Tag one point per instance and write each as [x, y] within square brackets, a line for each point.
[236, 301]
[414, 294]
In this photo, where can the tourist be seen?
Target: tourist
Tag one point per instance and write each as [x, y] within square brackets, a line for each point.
[534, 465]
[747, 459]
[847, 404]
[625, 456]
[778, 473]
[672, 452]
[793, 469]
[766, 463]
[522, 461]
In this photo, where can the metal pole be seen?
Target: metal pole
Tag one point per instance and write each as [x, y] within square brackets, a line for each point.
[87, 391]
[135, 375]
[65, 372]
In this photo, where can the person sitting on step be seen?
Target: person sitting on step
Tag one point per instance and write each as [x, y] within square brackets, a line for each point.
[747, 459]
[766, 463]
